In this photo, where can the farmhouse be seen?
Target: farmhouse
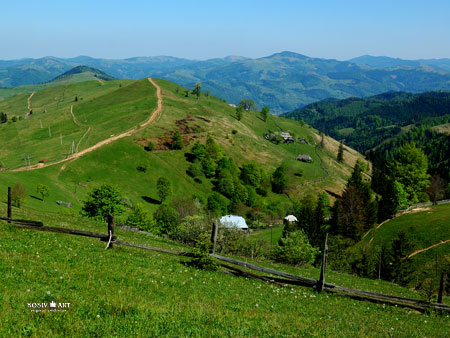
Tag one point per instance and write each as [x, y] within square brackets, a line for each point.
[290, 219]
[304, 158]
[233, 221]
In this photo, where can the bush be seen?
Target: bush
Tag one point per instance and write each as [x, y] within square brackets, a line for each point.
[166, 219]
[150, 146]
[202, 259]
[190, 229]
[195, 170]
[140, 218]
[18, 194]
[217, 204]
[295, 249]
[102, 201]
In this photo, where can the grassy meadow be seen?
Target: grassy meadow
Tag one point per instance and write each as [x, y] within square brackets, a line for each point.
[132, 292]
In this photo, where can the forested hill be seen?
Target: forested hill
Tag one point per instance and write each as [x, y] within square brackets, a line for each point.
[365, 123]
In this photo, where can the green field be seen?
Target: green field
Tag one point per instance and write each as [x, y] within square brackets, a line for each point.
[424, 229]
[131, 292]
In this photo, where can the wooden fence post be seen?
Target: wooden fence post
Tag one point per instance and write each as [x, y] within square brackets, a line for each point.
[321, 281]
[9, 215]
[110, 230]
[215, 228]
[441, 288]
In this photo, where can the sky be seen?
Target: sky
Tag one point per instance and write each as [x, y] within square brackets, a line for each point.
[333, 29]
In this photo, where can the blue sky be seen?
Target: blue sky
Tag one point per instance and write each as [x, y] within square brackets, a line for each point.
[206, 29]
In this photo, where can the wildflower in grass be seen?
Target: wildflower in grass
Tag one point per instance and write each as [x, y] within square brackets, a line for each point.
[48, 292]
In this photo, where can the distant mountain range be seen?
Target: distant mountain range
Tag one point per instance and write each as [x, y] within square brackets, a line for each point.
[283, 81]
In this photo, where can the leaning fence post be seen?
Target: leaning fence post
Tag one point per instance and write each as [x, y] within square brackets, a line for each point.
[441, 288]
[110, 230]
[214, 236]
[321, 281]
[9, 215]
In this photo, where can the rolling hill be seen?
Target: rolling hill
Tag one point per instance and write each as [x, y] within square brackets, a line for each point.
[282, 81]
[88, 73]
[70, 118]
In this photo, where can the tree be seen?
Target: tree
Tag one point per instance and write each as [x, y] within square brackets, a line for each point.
[198, 150]
[340, 154]
[177, 141]
[239, 113]
[164, 188]
[322, 140]
[102, 201]
[436, 189]
[410, 169]
[280, 179]
[265, 113]
[140, 218]
[213, 149]
[400, 264]
[247, 104]
[18, 194]
[42, 190]
[207, 94]
[166, 219]
[197, 90]
[217, 204]
[3, 118]
[295, 249]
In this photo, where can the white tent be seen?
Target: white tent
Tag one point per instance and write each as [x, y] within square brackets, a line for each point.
[232, 221]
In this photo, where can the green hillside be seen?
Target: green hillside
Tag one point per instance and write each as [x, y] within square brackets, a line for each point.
[127, 291]
[82, 73]
[108, 109]
[425, 227]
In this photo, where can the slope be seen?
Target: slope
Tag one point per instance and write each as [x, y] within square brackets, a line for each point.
[81, 74]
[428, 230]
[131, 292]
[110, 110]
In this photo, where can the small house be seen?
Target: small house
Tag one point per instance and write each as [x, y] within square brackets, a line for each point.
[304, 158]
[302, 140]
[290, 219]
[233, 221]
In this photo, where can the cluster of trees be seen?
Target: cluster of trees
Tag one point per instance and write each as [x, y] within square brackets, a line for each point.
[249, 104]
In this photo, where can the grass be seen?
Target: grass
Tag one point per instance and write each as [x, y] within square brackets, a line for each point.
[132, 292]
[424, 229]
[272, 235]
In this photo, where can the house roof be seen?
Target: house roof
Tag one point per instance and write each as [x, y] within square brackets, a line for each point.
[233, 221]
[304, 157]
[291, 218]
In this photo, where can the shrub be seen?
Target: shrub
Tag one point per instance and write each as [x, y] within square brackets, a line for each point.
[164, 188]
[42, 190]
[202, 259]
[195, 170]
[166, 219]
[18, 194]
[150, 146]
[295, 249]
[140, 218]
[217, 204]
[190, 229]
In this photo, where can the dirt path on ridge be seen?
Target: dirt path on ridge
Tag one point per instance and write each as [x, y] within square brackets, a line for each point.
[29, 103]
[426, 249]
[130, 132]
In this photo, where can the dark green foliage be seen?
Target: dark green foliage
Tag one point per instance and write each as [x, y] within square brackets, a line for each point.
[410, 169]
[213, 150]
[225, 185]
[140, 218]
[252, 174]
[356, 211]
[177, 141]
[202, 259]
[209, 167]
[197, 90]
[217, 204]
[18, 194]
[265, 113]
[198, 150]
[102, 201]
[400, 264]
[164, 188]
[280, 179]
[375, 119]
[239, 113]
[295, 249]
[195, 170]
[3, 118]
[14, 119]
[166, 219]
[247, 104]
[340, 154]
[43, 190]
[150, 146]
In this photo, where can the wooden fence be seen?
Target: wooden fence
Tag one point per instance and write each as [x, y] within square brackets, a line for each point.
[287, 278]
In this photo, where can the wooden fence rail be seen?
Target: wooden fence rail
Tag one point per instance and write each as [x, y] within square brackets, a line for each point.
[288, 277]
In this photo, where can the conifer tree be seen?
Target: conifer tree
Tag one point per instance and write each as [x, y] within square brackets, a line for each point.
[340, 154]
